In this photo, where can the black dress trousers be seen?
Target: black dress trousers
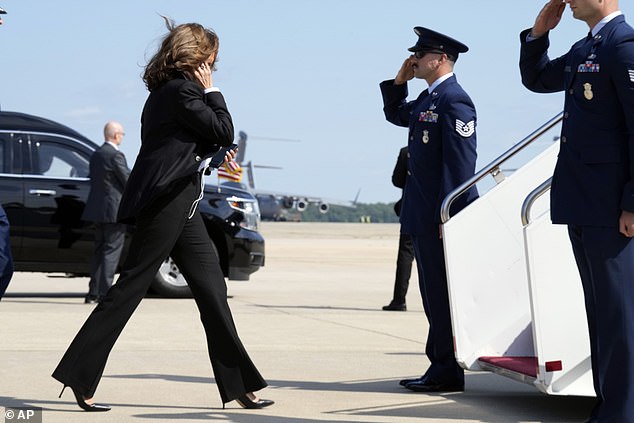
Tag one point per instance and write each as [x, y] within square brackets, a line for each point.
[404, 260]
[163, 229]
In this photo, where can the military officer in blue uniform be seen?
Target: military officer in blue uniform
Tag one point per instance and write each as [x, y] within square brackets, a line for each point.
[593, 187]
[442, 155]
[6, 259]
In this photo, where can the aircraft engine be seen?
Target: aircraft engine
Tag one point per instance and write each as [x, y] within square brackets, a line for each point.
[301, 204]
[287, 202]
[323, 208]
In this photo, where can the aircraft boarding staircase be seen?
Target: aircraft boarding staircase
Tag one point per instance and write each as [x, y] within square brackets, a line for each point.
[516, 299]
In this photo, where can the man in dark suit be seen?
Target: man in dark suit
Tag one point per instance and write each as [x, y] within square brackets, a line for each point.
[593, 184]
[108, 175]
[442, 155]
[405, 255]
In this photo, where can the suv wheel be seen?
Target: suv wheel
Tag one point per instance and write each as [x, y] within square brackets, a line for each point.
[169, 282]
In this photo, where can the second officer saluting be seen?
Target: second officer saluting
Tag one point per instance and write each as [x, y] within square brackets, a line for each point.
[442, 155]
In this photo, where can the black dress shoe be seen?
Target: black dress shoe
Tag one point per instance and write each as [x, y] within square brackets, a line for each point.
[91, 299]
[430, 385]
[81, 402]
[395, 307]
[246, 402]
[404, 382]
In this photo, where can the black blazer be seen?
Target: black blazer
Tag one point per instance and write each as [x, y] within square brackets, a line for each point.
[108, 175]
[180, 126]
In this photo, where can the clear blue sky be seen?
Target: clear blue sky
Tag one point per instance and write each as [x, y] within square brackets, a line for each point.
[303, 69]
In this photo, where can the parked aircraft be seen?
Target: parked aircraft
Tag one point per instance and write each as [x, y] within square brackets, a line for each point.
[277, 206]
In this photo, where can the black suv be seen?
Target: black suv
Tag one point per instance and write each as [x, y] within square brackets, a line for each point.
[44, 183]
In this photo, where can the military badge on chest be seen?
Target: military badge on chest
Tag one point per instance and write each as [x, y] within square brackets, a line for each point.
[428, 116]
[589, 66]
[425, 136]
[587, 91]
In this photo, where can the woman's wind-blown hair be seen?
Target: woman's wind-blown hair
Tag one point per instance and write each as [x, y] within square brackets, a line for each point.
[182, 50]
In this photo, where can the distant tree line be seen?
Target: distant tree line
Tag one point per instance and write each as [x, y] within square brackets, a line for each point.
[363, 213]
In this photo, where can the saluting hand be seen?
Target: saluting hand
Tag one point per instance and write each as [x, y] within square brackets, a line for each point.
[548, 18]
[626, 223]
[406, 72]
[203, 76]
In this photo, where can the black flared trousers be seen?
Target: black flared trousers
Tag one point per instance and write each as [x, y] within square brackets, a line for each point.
[163, 229]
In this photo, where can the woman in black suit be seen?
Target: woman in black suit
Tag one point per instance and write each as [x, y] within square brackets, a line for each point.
[185, 120]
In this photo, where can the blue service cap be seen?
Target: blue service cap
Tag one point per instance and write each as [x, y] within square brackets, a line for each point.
[429, 40]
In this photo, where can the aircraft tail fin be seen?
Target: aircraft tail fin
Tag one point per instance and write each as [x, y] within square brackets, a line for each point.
[356, 198]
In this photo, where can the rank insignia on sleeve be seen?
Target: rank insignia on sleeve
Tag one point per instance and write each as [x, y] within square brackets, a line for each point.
[631, 74]
[465, 129]
[428, 116]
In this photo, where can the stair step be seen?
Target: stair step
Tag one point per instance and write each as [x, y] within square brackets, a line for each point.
[523, 369]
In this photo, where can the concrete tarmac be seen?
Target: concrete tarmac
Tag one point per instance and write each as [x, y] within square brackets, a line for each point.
[311, 320]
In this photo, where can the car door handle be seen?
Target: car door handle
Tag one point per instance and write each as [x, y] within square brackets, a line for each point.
[45, 192]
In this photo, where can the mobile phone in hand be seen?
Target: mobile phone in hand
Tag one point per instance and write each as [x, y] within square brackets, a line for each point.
[219, 158]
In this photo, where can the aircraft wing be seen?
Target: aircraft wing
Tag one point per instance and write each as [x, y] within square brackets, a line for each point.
[288, 206]
[301, 201]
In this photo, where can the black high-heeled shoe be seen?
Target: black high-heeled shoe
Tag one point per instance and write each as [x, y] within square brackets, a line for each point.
[82, 402]
[246, 402]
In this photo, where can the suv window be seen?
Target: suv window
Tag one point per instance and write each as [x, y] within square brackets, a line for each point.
[3, 149]
[58, 160]
[10, 157]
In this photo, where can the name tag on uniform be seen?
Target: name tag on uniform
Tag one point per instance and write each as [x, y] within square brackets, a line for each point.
[428, 116]
[589, 67]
